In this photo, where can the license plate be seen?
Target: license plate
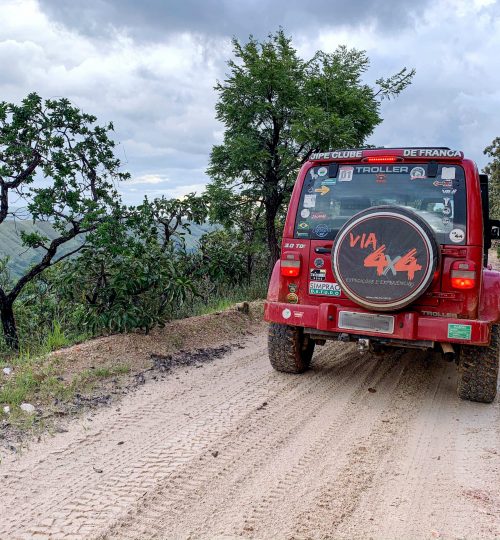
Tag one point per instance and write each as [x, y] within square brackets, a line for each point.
[351, 320]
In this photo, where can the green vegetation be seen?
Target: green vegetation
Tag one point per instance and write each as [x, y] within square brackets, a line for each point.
[277, 109]
[76, 263]
[493, 170]
[21, 258]
[60, 168]
[39, 378]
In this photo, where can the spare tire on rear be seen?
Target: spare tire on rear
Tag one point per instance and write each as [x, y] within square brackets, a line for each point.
[385, 257]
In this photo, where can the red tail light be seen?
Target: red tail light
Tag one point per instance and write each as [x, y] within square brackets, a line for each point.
[382, 159]
[290, 268]
[290, 264]
[463, 275]
[462, 283]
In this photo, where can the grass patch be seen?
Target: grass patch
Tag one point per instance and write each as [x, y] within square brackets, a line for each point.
[56, 338]
[85, 379]
[39, 381]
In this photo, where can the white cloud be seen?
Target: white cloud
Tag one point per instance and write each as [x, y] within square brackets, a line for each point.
[147, 179]
[159, 91]
[158, 95]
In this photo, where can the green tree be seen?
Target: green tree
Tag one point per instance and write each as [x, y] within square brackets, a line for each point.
[129, 274]
[493, 170]
[56, 165]
[240, 216]
[173, 217]
[277, 109]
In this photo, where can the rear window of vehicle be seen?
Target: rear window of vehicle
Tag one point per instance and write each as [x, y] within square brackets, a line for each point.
[327, 203]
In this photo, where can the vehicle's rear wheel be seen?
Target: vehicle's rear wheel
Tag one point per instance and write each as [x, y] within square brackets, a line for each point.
[478, 370]
[290, 350]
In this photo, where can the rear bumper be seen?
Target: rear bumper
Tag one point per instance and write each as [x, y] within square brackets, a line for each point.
[408, 326]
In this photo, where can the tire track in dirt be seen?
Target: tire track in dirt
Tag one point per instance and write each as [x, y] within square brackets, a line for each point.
[236, 449]
[249, 448]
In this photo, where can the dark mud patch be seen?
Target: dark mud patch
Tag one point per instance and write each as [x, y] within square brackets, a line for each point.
[196, 357]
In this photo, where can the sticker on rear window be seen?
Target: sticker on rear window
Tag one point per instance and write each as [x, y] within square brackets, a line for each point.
[457, 235]
[345, 174]
[322, 171]
[448, 173]
[321, 230]
[417, 172]
[309, 201]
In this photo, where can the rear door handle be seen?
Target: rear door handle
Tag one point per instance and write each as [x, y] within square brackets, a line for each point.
[322, 250]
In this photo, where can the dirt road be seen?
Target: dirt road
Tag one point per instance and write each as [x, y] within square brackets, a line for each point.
[356, 448]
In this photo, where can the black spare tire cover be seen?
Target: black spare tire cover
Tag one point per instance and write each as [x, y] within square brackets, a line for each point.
[385, 257]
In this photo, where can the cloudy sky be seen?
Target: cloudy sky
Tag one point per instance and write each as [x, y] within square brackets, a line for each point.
[150, 67]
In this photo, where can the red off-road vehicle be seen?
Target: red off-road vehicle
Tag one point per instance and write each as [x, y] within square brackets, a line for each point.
[389, 247]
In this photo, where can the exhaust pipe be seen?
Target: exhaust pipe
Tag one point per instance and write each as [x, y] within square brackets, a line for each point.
[448, 352]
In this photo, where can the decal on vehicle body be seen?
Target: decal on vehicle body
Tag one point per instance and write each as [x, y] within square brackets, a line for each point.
[459, 331]
[286, 313]
[438, 314]
[324, 288]
[317, 275]
[319, 262]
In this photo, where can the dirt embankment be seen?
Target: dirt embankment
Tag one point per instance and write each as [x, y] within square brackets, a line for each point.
[357, 447]
[101, 371]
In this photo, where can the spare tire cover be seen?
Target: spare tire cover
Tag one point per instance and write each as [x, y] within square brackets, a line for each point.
[385, 257]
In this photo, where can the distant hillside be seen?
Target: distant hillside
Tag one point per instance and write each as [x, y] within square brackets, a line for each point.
[21, 258]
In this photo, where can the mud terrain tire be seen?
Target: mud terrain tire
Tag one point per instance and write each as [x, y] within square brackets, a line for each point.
[290, 350]
[478, 370]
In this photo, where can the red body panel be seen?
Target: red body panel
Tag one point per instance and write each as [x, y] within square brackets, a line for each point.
[426, 319]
